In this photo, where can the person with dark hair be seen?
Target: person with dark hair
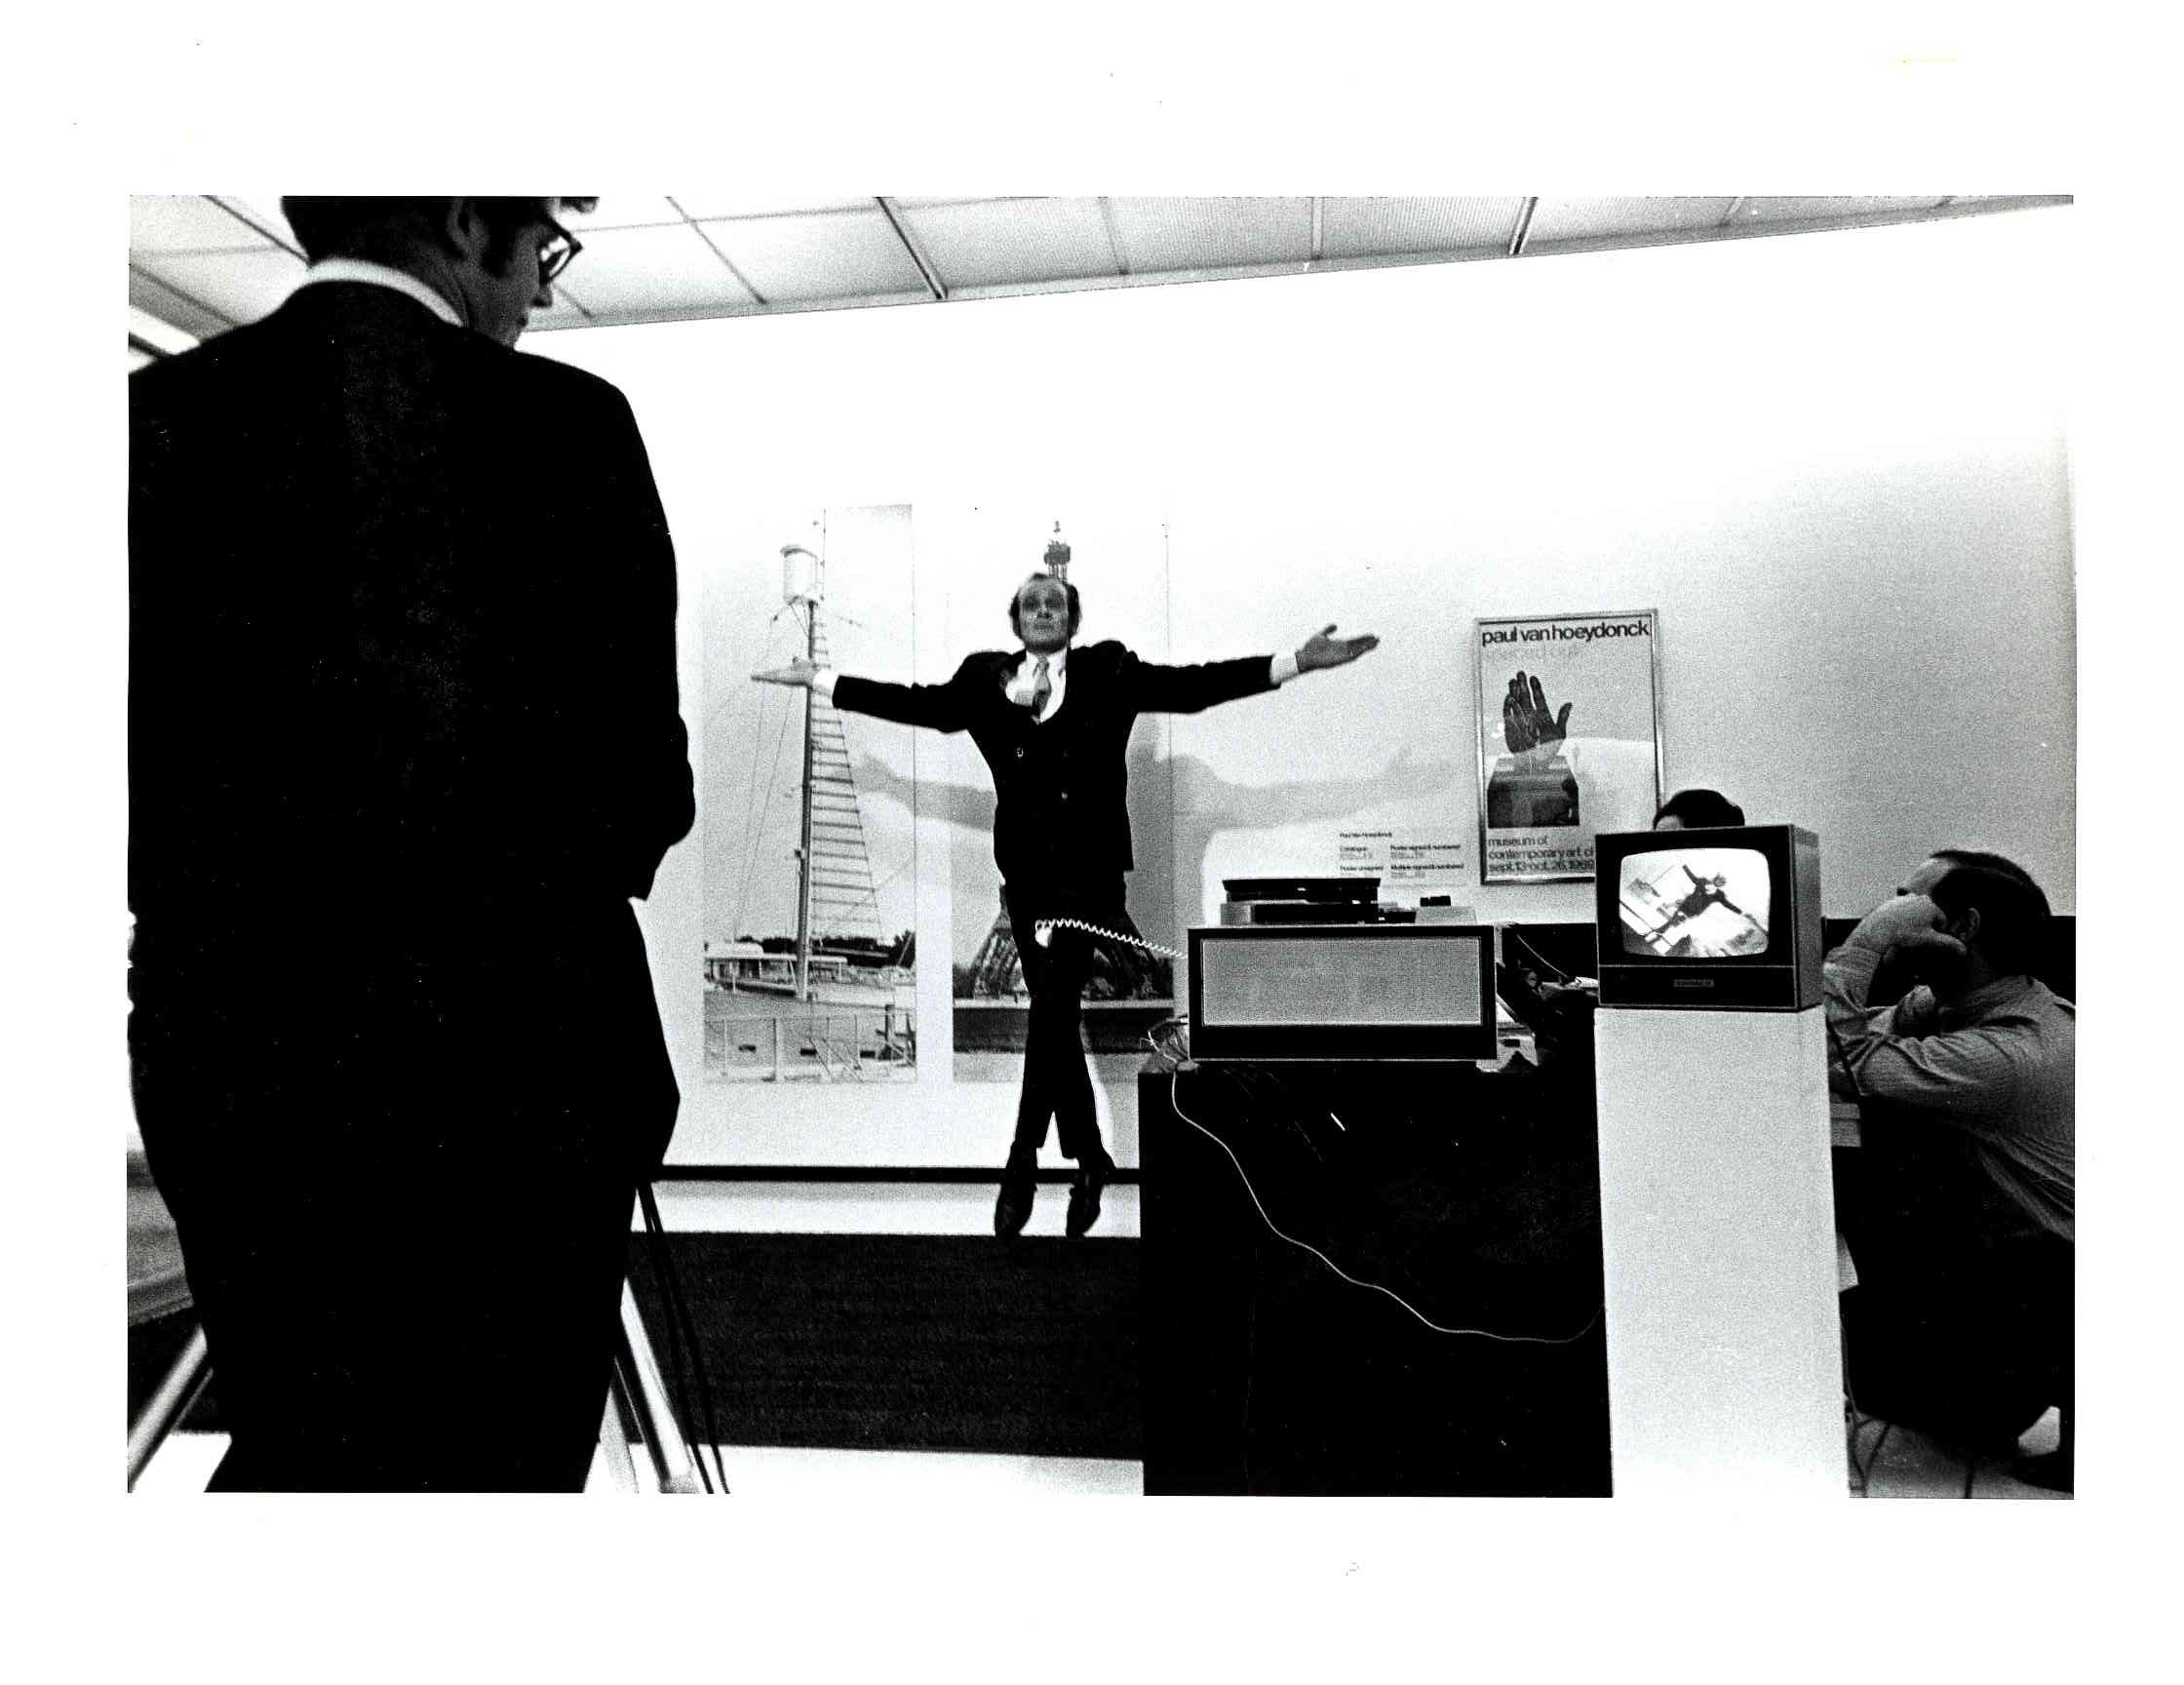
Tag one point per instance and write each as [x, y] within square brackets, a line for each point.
[1693, 809]
[1962, 1220]
[493, 260]
[1053, 723]
[1999, 896]
[404, 744]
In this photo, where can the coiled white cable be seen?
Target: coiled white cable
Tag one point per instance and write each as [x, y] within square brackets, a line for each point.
[1042, 932]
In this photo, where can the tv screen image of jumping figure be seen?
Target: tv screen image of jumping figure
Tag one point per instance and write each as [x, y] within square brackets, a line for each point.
[1695, 903]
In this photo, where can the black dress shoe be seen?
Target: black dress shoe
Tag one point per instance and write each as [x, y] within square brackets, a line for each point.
[1084, 1194]
[1019, 1185]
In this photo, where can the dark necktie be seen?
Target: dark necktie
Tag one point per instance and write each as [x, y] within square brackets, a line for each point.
[1042, 686]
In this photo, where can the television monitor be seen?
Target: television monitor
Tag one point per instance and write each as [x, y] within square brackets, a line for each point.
[1724, 918]
[1342, 992]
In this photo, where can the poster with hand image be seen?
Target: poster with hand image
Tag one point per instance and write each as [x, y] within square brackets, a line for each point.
[1569, 739]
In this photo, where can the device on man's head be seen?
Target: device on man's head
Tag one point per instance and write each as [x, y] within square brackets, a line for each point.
[1342, 992]
[1727, 919]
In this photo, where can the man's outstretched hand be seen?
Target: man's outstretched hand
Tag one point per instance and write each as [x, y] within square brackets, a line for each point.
[1324, 650]
[1527, 727]
[797, 672]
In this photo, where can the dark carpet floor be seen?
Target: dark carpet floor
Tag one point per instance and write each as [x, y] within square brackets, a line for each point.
[910, 1342]
[862, 1342]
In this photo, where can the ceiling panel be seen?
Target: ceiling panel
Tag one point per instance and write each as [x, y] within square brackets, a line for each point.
[840, 254]
[1378, 227]
[242, 285]
[710, 207]
[263, 210]
[921, 201]
[159, 335]
[155, 298]
[669, 270]
[1561, 221]
[1010, 242]
[188, 223]
[204, 262]
[1169, 234]
[1773, 210]
[622, 210]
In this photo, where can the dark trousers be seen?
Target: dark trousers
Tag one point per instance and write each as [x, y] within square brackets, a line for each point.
[390, 1308]
[1963, 1324]
[1057, 1083]
[1973, 1348]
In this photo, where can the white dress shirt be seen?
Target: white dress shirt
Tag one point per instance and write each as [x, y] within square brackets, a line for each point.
[381, 275]
[1023, 683]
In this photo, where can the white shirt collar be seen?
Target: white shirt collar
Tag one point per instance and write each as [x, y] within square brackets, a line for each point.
[1019, 687]
[381, 275]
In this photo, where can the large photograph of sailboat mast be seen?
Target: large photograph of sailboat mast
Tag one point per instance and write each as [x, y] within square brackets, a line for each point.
[810, 949]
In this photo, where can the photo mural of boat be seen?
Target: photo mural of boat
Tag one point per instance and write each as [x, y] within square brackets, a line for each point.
[1128, 990]
[835, 999]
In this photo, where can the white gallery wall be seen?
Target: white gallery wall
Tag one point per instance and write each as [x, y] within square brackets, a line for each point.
[1836, 464]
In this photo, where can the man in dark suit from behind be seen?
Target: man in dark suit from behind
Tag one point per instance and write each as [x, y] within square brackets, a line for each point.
[405, 742]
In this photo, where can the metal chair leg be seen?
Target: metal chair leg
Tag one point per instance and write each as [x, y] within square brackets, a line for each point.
[185, 1379]
[638, 1372]
[614, 1437]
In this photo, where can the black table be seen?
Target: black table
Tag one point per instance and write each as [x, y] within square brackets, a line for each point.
[1473, 1193]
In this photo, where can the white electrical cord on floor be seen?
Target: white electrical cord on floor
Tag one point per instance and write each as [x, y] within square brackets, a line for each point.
[1481, 1333]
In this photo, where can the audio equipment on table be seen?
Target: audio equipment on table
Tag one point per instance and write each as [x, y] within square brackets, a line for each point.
[1309, 901]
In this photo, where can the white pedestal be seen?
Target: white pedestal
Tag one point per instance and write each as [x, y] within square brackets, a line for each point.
[1717, 1224]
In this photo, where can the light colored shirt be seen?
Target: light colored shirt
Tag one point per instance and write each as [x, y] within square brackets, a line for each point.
[379, 275]
[1994, 1070]
[1023, 683]
[1280, 669]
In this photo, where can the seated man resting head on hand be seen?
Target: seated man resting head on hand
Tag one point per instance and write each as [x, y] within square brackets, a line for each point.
[1961, 1211]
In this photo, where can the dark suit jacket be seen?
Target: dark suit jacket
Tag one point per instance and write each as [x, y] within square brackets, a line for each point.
[1061, 814]
[403, 730]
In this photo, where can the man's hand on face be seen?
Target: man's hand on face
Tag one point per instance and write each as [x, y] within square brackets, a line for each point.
[1908, 924]
[1324, 650]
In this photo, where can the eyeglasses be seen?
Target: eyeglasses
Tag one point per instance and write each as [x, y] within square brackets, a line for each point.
[557, 251]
